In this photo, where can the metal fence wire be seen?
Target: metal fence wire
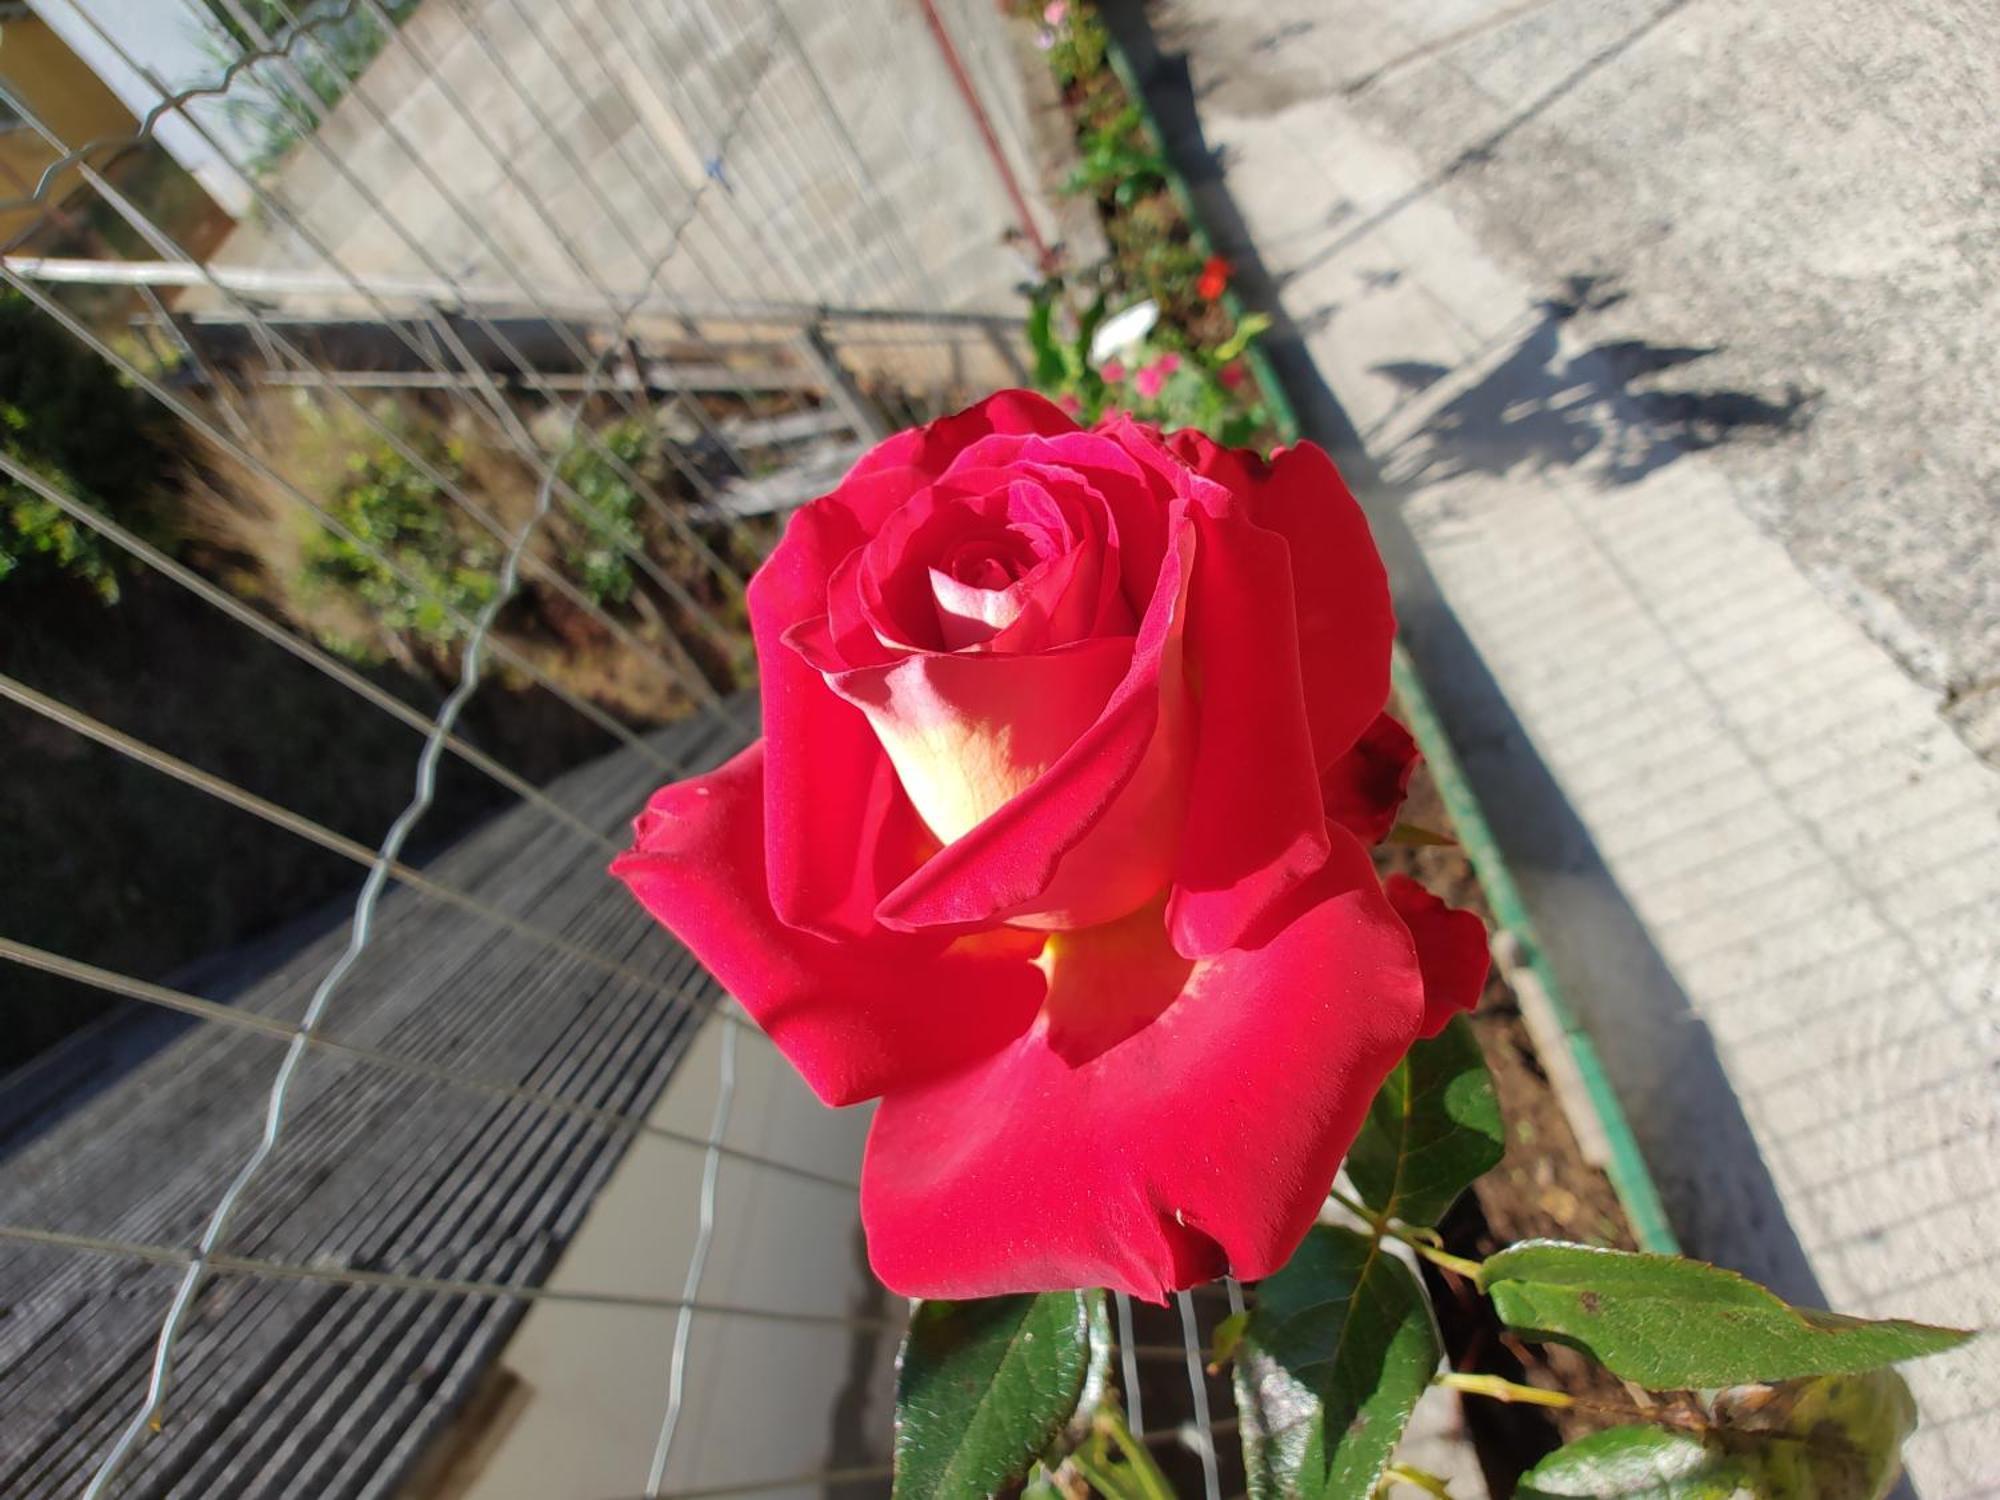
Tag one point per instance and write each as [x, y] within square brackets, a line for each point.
[418, 446]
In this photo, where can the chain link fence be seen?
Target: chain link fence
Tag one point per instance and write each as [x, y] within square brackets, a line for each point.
[394, 398]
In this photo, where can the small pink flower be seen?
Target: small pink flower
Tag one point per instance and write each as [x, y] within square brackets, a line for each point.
[1056, 12]
[1168, 363]
[1044, 39]
[1232, 375]
[1113, 371]
[1152, 380]
[1071, 407]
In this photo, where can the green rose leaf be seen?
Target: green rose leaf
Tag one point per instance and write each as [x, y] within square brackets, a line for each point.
[1638, 1463]
[1838, 1437]
[984, 1387]
[1051, 369]
[1433, 1128]
[1337, 1351]
[1671, 1323]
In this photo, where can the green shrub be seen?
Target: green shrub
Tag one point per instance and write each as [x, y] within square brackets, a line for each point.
[1077, 44]
[389, 504]
[1118, 158]
[605, 515]
[66, 415]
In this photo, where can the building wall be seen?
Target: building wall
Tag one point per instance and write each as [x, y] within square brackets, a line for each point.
[60, 89]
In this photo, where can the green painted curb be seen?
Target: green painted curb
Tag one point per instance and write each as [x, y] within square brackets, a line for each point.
[1626, 1167]
[1630, 1179]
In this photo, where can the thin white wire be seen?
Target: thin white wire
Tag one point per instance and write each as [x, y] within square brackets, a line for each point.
[1203, 1437]
[450, 1286]
[234, 1018]
[1235, 1289]
[378, 876]
[264, 470]
[329, 665]
[711, 1172]
[388, 855]
[1128, 1354]
[682, 671]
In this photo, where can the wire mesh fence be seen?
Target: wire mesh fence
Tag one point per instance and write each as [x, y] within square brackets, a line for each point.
[393, 402]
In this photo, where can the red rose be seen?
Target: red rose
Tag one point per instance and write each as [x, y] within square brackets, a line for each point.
[1214, 279]
[1055, 844]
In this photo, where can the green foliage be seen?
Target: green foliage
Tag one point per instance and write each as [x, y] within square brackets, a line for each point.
[66, 415]
[606, 510]
[392, 508]
[1194, 395]
[1336, 1353]
[1835, 1438]
[1054, 360]
[983, 1389]
[1249, 328]
[1433, 1127]
[1118, 159]
[267, 15]
[1671, 1323]
[1113, 1462]
[1078, 46]
[1638, 1463]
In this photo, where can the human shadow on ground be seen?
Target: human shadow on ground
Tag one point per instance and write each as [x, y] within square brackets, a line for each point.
[1549, 404]
[1658, 1051]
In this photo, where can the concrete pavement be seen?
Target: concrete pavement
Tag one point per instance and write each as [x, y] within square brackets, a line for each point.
[576, 1407]
[1657, 338]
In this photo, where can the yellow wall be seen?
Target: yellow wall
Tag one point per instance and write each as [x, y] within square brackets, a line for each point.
[66, 96]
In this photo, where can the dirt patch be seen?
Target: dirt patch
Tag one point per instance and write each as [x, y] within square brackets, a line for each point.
[113, 862]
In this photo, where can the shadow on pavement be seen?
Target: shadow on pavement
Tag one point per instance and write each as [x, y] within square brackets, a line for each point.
[1659, 1053]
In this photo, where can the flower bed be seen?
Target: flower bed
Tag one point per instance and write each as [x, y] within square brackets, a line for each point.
[1152, 329]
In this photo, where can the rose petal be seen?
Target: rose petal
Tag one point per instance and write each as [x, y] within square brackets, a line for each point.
[1346, 620]
[1203, 1141]
[854, 1017]
[1364, 789]
[969, 733]
[1255, 827]
[930, 449]
[1451, 950]
[1138, 501]
[825, 877]
[1045, 527]
[1095, 834]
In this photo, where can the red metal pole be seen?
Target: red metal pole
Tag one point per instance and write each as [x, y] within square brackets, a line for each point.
[1044, 256]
